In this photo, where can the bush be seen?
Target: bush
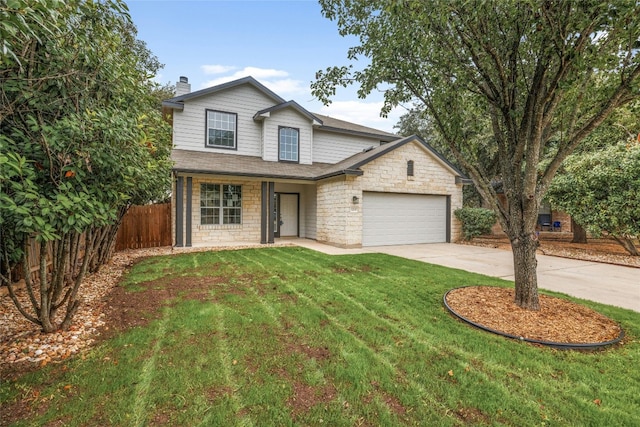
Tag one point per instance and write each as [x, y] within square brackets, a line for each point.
[475, 221]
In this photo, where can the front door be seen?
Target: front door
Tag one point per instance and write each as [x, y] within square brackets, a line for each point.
[286, 215]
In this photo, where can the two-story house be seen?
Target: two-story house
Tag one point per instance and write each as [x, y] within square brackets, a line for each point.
[251, 167]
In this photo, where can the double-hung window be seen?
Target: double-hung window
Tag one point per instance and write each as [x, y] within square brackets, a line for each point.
[289, 142]
[221, 129]
[220, 204]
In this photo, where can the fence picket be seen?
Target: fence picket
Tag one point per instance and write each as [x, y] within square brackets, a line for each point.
[147, 226]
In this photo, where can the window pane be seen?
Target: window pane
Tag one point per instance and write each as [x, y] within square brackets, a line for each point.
[221, 129]
[232, 205]
[209, 195]
[209, 204]
[289, 144]
[232, 216]
[208, 216]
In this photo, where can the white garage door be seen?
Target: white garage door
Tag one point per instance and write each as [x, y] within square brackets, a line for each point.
[403, 219]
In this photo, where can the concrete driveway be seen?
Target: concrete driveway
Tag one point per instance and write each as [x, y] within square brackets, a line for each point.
[605, 283]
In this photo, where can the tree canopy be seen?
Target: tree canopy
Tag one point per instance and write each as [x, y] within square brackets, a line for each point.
[534, 74]
[81, 138]
[600, 190]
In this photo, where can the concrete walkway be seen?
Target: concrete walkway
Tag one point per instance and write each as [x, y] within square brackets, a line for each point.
[604, 283]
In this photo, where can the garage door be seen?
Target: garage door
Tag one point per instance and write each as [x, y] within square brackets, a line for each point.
[403, 219]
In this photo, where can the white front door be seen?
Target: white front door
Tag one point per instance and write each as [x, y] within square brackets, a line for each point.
[288, 215]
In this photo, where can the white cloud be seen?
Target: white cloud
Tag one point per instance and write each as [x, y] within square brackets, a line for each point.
[363, 113]
[286, 86]
[262, 73]
[276, 80]
[217, 69]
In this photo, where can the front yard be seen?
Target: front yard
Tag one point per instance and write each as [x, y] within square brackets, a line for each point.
[287, 336]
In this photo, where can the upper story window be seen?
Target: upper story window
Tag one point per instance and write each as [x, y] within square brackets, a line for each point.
[289, 143]
[221, 129]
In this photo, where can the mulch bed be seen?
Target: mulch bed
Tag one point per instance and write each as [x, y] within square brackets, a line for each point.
[558, 320]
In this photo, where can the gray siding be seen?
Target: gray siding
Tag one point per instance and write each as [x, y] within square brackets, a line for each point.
[329, 147]
[189, 126]
[288, 118]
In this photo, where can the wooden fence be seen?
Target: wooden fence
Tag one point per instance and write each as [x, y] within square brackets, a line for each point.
[147, 226]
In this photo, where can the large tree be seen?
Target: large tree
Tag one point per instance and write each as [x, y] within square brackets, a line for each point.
[536, 70]
[81, 138]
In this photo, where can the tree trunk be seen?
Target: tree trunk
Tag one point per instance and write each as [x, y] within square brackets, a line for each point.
[525, 266]
[627, 243]
[579, 233]
[45, 294]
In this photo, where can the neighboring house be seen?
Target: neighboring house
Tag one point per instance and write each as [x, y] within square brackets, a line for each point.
[548, 219]
[251, 167]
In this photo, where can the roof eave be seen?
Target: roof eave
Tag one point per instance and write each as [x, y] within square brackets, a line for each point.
[218, 88]
[464, 181]
[244, 174]
[351, 172]
[173, 105]
[381, 137]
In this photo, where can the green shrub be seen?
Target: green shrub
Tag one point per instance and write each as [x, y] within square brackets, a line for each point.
[475, 221]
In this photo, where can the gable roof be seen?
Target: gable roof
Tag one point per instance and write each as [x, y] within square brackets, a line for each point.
[330, 124]
[177, 102]
[357, 160]
[325, 123]
[260, 115]
[230, 164]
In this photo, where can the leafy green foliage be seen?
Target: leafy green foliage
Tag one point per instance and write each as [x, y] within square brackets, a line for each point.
[505, 83]
[475, 221]
[82, 138]
[600, 190]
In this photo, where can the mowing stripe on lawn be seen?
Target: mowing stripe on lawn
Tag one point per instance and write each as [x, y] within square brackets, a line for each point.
[269, 309]
[463, 355]
[308, 287]
[147, 373]
[360, 342]
[401, 326]
[225, 363]
[421, 338]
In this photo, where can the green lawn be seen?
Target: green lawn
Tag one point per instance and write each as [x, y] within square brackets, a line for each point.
[288, 336]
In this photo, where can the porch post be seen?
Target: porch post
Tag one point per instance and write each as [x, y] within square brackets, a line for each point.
[264, 213]
[272, 215]
[179, 210]
[188, 225]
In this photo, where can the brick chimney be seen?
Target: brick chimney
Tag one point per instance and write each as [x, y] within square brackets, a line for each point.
[183, 86]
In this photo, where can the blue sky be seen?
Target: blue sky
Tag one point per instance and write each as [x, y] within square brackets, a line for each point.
[282, 43]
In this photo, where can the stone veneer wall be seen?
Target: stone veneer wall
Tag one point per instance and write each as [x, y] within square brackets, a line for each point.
[248, 231]
[339, 220]
[389, 174]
